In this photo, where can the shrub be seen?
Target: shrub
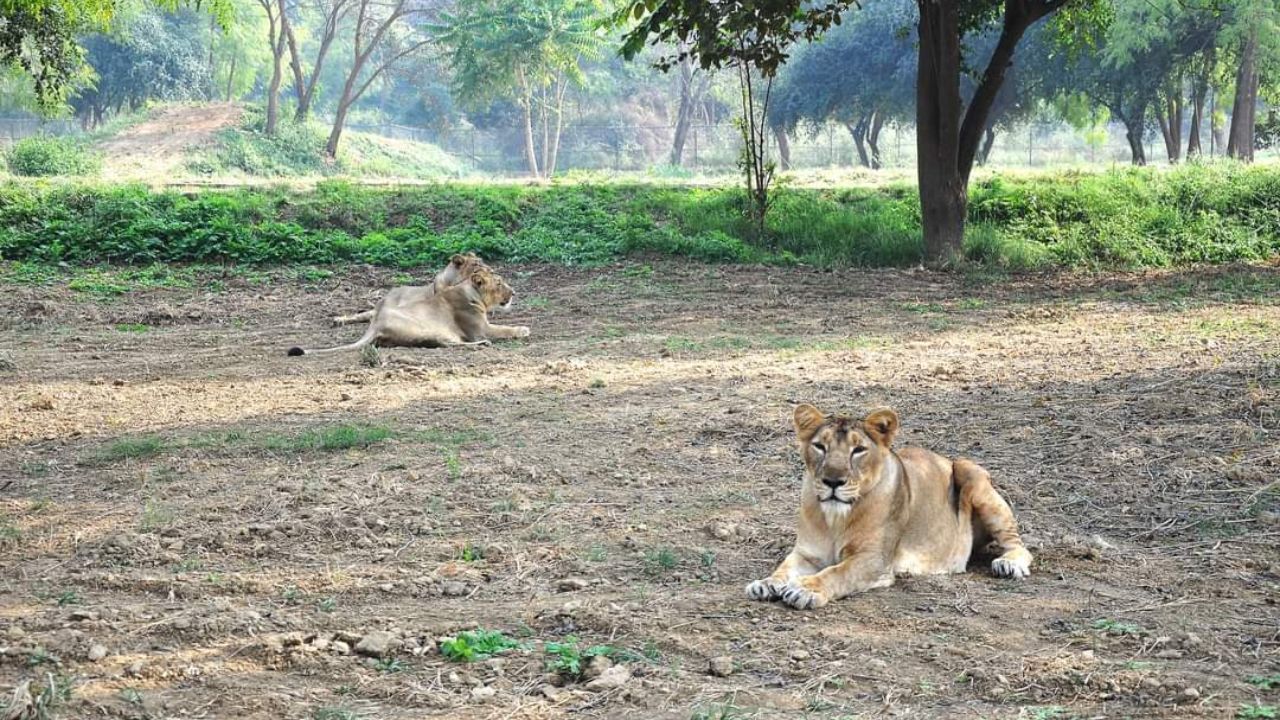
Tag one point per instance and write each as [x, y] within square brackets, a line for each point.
[50, 156]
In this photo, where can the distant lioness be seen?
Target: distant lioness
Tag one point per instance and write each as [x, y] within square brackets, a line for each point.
[868, 512]
[453, 316]
[459, 268]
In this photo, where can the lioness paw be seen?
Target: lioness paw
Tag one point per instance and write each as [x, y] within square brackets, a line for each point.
[764, 590]
[802, 598]
[522, 331]
[1014, 564]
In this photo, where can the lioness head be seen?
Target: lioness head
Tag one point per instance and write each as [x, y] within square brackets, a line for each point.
[458, 270]
[495, 293]
[843, 457]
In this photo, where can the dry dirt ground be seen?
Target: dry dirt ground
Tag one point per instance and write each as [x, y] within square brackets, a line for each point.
[161, 145]
[194, 525]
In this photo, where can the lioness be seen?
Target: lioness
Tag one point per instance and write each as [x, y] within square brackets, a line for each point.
[459, 268]
[868, 512]
[456, 315]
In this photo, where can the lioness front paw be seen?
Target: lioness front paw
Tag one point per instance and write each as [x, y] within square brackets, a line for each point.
[1014, 564]
[802, 598]
[766, 590]
[522, 331]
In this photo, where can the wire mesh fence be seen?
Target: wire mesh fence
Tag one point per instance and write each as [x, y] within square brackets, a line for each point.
[715, 148]
[15, 129]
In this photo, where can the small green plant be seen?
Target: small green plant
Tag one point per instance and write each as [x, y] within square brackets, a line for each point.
[327, 605]
[475, 645]
[292, 595]
[9, 533]
[331, 439]
[156, 516]
[567, 658]
[718, 711]
[596, 383]
[661, 560]
[390, 665]
[597, 553]
[1266, 682]
[1256, 712]
[707, 558]
[131, 696]
[471, 553]
[370, 357]
[69, 597]
[1048, 712]
[39, 656]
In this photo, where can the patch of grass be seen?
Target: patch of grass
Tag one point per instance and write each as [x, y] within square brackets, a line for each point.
[330, 439]
[1257, 712]
[1048, 712]
[1266, 682]
[137, 448]
[718, 711]
[69, 597]
[10, 535]
[156, 516]
[597, 553]
[475, 645]
[132, 327]
[1116, 627]
[47, 156]
[35, 469]
[327, 605]
[471, 553]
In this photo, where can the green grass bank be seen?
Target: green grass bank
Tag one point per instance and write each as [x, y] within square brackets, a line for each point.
[1123, 219]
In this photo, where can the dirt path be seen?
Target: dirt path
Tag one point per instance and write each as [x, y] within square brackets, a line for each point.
[157, 149]
[223, 524]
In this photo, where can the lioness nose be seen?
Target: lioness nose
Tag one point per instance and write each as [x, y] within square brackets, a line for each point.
[833, 483]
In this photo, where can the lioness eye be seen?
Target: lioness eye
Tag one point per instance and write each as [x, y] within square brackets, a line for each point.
[820, 447]
[858, 450]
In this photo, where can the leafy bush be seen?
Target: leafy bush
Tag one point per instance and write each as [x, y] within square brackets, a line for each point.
[566, 658]
[49, 156]
[1131, 218]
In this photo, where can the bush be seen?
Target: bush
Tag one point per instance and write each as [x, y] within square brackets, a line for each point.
[1117, 219]
[48, 156]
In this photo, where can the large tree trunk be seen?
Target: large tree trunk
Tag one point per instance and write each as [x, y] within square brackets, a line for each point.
[943, 191]
[988, 140]
[277, 74]
[784, 148]
[231, 76]
[1199, 90]
[295, 57]
[555, 136]
[1134, 128]
[873, 140]
[684, 113]
[335, 133]
[526, 104]
[859, 132]
[1169, 116]
[946, 144]
[1244, 109]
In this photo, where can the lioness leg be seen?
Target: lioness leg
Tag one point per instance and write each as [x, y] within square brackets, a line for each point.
[506, 332]
[770, 588]
[360, 317]
[993, 515]
[860, 572]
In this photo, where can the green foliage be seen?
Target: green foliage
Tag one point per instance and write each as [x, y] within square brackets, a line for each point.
[338, 437]
[1257, 712]
[1127, 218]
[132, 448]
[567, 658]
[49, 156]
[475, 645]
[1266, 682]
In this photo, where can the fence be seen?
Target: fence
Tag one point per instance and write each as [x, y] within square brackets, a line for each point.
[15, 129]
[716, 148]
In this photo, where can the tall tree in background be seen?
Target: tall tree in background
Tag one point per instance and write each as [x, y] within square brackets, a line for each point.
[276, 22]
[694, 83]
[384, 34]
[333, 14]
[948, 132]
[528, 51]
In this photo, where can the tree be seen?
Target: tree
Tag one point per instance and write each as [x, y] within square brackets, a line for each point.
[694, 83]
[38, 38]
[384, 34]
[150, 56]
[948, 131]
[528, 51]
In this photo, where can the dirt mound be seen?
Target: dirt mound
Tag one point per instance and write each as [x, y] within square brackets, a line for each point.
[158, 147]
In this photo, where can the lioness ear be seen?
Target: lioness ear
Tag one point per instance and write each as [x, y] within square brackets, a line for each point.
[480, 278]
[459, 260]
[807, 419]
[881, 425]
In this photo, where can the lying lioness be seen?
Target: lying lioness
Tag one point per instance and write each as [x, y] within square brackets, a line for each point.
[456, 315]
[459, 268]
[868, 512]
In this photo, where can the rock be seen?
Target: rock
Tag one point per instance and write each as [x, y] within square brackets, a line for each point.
[611, 679]
[453, 588]
[720, 531]
[387, 587]
[1169, 654]
[800, 655]
[341, 647]
[550, 692]
[182, 623]
[1189, 695]
[596, 667]
[721, 666]
[135, 669]
[377, 644]
[97, 652]
[571, 584]
[15, 632]
[83, 615]
[483, 693]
